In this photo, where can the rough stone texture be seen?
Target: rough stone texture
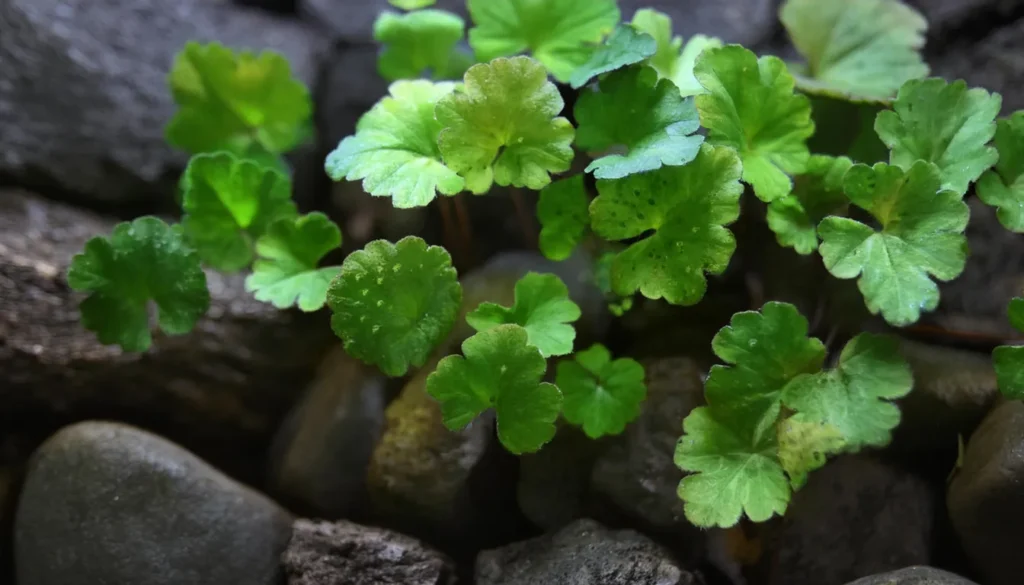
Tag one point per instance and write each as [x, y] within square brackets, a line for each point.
[914, 576]
[953, 390]
[108, 503]
[343, 553]
[83, 90]
[855, 517]
[220, 390]
[582, 553]
[995, 62]
[636, 474]
[322, 450]
[985, 499]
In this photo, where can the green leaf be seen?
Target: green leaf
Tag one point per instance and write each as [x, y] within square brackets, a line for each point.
[143, 260]
[731, 444]
[922, 235]
[236, 101]
[618, 305]
[412, 4]
[853, 397]
[419, 41]
[564, 216]
[394, 151]
[229, 203]
[668, 60]
[1003, 186]
[286, 273]
[863, 48]
[1009, 360]
[805, 446]
[647, 116]
[626, 46]
[502, 371]
[942, 123]
[558, 33]
[542, 307]
[751, 106]
[393, 303]
[600, 394]
[816, 193]
[687, 208]
[504, 128]
[734, 471]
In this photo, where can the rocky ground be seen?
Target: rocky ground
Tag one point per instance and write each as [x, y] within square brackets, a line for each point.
[253, 451]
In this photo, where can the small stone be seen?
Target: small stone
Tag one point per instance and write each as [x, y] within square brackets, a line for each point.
[856, 516]
[343, 553]
[985, 499]
[582, 553]
[953, 389]
[322, 450]
[914, 576]
[109, 503]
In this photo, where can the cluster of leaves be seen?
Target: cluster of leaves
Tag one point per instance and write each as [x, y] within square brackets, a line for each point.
[675, 132]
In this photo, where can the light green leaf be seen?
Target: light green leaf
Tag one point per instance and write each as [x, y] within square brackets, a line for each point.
[393, 303]
[647, 116]
[854, 396]
[286, 273]
[504, 128]
[228, 204]
[672, 60]
[922, 235]
[1003, 186]
[861, 48]
[805, 446]
[626, 46]
[412, 4]
[599, 394]
[420, 41]
[143, 260]
[687, 208]
[751, 106]
[236, 101]
[818, 192]
[558, 33]
[394, 151]
[542, 306]
[942, 123]
[564, 216]
[502, 371]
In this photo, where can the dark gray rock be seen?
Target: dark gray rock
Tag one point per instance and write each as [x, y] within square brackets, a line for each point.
[322, 450]
[220, 390]
[352, 21]
[637, 474]
[748, 22]
[109, 503]
[83, 90]
[985, 499]
[554, 483]
[343, 553]
[947, 15]
[582, 553]
[856, 516]
[995, 62]
[953, 390]
[914, 576]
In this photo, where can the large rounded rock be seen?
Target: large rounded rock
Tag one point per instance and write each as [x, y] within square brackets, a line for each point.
[322, 450]
[582, 553]
[994, 61]
[856, 516]
[343, 553]
[914, 576]
[83, 89]
[985, 499]
[109, 503]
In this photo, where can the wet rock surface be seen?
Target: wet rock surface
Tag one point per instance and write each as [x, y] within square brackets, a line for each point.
[582, 553]
[914, 576]
[322, 450]
[343, 553]
[985, 499]
[83, 89]
[856, 516]
[108, 503]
